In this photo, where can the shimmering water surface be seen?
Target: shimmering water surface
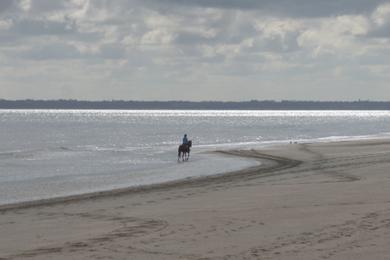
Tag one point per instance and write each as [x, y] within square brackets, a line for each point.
[51, 153]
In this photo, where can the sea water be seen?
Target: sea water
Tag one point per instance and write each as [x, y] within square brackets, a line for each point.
[54, 153]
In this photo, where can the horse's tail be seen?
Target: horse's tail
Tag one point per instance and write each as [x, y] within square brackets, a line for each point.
[178, 153]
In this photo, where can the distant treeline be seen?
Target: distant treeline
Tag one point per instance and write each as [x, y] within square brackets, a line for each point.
[211, 105]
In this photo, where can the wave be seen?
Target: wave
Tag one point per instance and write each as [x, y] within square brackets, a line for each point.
[267, 143]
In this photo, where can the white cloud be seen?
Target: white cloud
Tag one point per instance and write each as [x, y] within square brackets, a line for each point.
[381, 15]
[157, 37]
[25, 5]
[277, 27]
[5, 24]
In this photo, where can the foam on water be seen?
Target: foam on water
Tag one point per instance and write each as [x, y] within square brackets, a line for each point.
[49, 153]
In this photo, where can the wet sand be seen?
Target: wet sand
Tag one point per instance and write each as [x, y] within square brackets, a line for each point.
[305, 201]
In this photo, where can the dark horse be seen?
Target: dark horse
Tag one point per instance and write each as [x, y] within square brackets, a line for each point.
[184, 151]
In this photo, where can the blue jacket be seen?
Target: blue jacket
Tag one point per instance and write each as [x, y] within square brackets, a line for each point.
[185, 140]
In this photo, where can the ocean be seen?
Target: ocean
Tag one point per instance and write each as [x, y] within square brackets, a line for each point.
[54, 153]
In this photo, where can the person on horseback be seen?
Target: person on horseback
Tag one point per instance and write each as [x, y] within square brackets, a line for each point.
[184, 149]
[185, 139]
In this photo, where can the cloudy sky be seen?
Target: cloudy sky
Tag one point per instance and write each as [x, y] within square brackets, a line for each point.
[195, 49]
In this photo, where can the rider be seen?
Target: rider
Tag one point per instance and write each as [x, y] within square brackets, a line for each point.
[185, 140]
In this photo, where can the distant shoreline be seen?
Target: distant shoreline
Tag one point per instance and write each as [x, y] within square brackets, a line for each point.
[195, 105]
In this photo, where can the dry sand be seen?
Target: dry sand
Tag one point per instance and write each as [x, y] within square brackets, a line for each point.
[306, 201]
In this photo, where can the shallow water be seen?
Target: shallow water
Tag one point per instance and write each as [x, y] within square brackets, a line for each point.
[50, 153]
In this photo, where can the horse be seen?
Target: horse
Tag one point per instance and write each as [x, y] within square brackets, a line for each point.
[184, 151]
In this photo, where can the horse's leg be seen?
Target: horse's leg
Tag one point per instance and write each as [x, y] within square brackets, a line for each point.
[178, 155]
[182, 154]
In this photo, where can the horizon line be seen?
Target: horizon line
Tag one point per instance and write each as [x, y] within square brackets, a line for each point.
[195, 101]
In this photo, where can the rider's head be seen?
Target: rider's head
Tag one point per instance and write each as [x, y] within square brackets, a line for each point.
[185, 135]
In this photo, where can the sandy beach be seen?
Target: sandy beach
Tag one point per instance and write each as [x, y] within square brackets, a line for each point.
[305, 201]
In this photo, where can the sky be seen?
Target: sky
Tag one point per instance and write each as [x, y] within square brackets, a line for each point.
[195, 49]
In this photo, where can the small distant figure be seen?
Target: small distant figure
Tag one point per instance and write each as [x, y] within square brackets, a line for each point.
[183, 152]
[185, 139]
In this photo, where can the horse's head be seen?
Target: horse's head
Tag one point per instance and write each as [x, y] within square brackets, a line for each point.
[189, 143]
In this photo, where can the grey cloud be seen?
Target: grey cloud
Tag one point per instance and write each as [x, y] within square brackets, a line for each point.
[191, 38]
[5, 5]
[46, 5]
[307, 8]
[377, 57]
[43, 27]
[380, 32]
[12, 8]
[52, 51]
[8, 40]
[112, 51]
[63, 51]
[280, 45]
[229, 28]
